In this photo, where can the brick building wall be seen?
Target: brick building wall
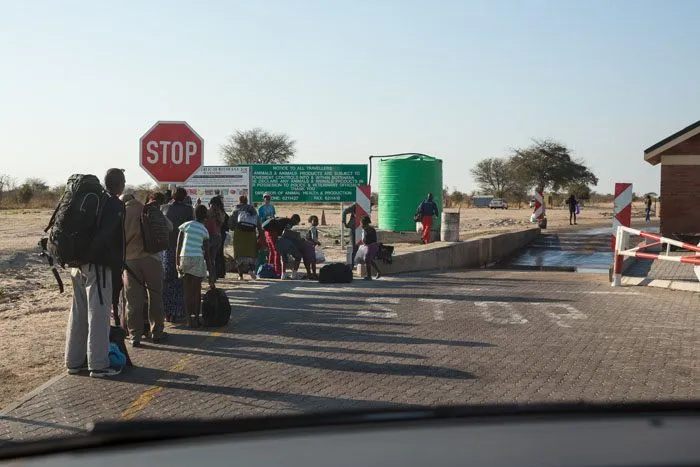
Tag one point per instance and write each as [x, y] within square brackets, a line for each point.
[680, 198]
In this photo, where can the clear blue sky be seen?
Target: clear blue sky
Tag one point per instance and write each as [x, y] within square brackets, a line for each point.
[461, 80]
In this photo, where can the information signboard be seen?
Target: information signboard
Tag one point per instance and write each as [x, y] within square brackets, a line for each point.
[231, 182]
[307, 183]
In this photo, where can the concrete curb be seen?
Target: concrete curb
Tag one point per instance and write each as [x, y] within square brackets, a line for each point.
[31, 394]
[686, 286]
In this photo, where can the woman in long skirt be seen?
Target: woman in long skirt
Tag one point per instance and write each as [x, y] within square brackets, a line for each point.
[173, 298]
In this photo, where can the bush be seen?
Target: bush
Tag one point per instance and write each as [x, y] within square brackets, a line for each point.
[25, 194]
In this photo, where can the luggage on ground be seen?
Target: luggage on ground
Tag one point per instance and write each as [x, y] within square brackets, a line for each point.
[117, 335]
[335, 273]
[216, 308]
[266, 271]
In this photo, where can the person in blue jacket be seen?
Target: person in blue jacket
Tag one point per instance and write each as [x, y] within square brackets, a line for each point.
[267, 210]
[427, 209]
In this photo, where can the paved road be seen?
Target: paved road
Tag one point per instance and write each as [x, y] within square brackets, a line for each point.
[461, 337]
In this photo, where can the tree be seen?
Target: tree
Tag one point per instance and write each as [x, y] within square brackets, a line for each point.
[25, 193]
[7, 183]
[493, 176]
[257, 146]
[457, 197]
[37, 184]
[580, 189]
[547, 164]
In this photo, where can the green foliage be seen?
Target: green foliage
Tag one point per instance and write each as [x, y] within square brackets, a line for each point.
[494, 176]
[25, 194]
[37, 184]
[580, 189]
[547, 164]
[258, 146]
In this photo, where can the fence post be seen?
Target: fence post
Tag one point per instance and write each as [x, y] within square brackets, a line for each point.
[621, 243]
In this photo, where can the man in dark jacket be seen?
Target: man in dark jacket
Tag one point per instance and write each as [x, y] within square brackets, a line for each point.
[87, 336]
[427, 209]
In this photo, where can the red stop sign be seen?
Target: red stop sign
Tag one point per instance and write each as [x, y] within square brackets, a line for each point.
[171, 152]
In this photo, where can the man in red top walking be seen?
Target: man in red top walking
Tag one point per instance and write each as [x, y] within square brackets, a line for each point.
[427, 210]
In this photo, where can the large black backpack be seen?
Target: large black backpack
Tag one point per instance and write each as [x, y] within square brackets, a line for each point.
[335, 273]
[216, 308]
[74, 223]
[154, 229]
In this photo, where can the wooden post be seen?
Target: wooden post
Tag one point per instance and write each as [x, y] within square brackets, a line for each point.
[342, 229]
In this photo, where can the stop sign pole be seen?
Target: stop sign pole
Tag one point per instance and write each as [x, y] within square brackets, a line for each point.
[171, 152]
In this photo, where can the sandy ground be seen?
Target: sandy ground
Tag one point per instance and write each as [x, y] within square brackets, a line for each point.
[33, 314]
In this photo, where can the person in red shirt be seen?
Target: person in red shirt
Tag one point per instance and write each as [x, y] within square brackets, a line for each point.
[273, 230]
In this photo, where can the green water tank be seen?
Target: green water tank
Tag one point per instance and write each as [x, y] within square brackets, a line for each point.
[404, 182]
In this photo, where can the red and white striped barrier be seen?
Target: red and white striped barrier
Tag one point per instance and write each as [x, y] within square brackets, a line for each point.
[538, 213]
[363, 208]
[622, 208]
[622, 250]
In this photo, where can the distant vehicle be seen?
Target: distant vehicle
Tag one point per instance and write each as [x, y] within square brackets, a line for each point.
[498, 203]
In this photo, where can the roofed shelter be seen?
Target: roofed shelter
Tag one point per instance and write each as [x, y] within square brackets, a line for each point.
[679, 157]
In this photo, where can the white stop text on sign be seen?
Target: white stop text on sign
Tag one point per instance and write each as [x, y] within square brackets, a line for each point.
[174, 152]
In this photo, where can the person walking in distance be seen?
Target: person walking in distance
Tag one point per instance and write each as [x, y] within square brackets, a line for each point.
[193, 262]
[87, 334]
[647, 208]
[572, 202]
[143, 277]
[427, 209]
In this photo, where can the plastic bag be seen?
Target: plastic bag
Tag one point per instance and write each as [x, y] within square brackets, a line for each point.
[578, 208]
[117, 359]
[419, 227]
[320, 256]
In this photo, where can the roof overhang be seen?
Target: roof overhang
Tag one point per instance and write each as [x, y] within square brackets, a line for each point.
[653, 154]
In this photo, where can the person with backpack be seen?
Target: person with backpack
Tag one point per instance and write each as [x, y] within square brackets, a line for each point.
[173, 296]
[244, 223]
[147, 233]
[193, 262]
[426, 211]
[87, 234]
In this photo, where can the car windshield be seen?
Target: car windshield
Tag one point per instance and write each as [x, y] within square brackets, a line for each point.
[207, 209]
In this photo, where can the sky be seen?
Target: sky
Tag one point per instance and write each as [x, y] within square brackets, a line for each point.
[81, 81]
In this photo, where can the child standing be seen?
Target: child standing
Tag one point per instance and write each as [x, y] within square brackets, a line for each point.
[312, 241]
[193, 262]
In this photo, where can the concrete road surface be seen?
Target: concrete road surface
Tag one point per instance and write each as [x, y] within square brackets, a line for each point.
[473, 337]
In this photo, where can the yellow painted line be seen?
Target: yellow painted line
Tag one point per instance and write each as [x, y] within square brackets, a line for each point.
[147, 396]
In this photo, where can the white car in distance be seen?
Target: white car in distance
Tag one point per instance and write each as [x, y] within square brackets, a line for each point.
[498, 203]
